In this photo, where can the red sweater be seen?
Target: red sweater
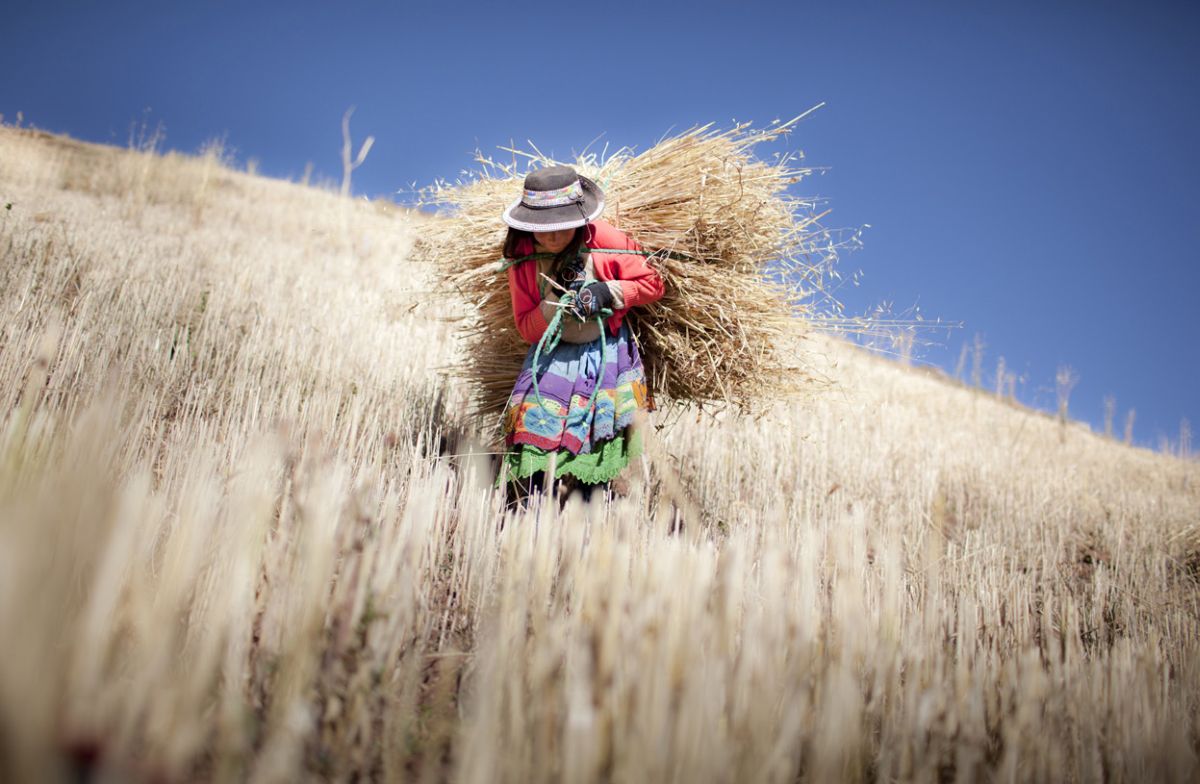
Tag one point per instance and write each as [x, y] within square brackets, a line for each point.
[640, 284]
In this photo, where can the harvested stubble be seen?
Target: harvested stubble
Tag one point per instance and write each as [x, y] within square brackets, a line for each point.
[191, 592]
[740, 258]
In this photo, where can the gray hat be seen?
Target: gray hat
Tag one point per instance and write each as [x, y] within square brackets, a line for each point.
[555, 198]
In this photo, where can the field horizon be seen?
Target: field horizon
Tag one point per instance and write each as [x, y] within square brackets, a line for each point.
[248, 532]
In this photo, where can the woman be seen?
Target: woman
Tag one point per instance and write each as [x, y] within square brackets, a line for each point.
[573, 279]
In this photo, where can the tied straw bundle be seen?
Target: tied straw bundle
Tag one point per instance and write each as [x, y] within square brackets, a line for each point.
[740, 259]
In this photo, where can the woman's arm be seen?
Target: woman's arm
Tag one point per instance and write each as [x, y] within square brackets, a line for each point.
[631, 279]
[639, 282]
[531, 314]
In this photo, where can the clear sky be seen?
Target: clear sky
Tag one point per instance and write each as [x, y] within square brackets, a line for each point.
[1030, 170]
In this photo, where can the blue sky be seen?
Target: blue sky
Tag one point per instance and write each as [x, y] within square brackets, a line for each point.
[1027, 169]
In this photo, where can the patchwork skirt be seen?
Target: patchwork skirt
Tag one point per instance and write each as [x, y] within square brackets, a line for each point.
[580, 409]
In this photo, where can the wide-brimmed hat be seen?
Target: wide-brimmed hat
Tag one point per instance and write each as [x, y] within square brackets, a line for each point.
[555, 198]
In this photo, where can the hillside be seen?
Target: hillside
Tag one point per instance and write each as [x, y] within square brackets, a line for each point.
[246, 532]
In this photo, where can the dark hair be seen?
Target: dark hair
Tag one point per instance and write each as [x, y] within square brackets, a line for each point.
[515, 236]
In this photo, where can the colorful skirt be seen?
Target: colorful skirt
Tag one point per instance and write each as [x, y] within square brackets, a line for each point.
[580, 411]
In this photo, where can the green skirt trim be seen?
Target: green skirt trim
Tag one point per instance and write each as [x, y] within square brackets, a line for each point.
[600, 465]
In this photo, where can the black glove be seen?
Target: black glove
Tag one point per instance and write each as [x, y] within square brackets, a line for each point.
[570, 273]
[593, 299]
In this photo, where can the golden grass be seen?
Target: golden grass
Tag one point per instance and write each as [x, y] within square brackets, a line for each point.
[724, 231]
[244, 535]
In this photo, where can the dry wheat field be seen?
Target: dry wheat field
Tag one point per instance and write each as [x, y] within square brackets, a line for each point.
[247, 534]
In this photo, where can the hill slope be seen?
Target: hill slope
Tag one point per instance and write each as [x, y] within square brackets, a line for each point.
[245, 531]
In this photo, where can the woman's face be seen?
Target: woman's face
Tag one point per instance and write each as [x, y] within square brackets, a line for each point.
[554, 241]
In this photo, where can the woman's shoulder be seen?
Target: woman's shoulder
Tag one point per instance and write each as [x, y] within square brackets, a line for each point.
[604, 235]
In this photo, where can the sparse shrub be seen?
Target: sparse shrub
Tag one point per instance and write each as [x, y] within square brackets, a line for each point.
[977, 362]
[349, 164]
[1065, 380]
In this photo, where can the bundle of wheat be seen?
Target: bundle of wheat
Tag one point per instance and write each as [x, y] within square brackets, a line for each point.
[740, 259]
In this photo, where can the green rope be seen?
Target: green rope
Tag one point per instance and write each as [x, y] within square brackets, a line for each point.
[554, 334]
[505, 263]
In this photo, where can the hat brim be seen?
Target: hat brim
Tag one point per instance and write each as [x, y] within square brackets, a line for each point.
[567, 216]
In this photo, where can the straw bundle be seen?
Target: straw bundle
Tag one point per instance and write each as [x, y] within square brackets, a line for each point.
[740, 258]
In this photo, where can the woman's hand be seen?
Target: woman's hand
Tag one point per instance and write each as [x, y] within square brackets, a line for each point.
[592, 300]
[571, 272]
[572, 331]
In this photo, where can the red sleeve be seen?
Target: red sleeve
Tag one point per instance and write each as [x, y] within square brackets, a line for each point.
[640, 283]
[526, 304]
